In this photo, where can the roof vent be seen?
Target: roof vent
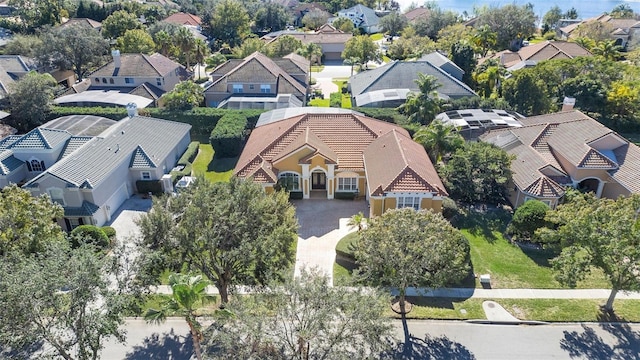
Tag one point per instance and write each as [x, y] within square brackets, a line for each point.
[568, 103]
[132, 109]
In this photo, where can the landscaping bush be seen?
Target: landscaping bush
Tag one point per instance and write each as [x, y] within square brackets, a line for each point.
[527, 219]
[449, 208]
[295, 195]
[149, 186]
[109, 231]
[346, 245]
[385, 114]
[226, 138]
[89, 234]
[185, 160]
[345, 195]
[335, 100]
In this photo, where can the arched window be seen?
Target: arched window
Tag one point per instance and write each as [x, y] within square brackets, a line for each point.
[104, 80]
[289, 181]
[37, 165]
[110, 80]
[97, 80]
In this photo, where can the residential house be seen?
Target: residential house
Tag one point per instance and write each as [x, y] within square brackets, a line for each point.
[259, 82]
[438, 59]
[416, 14]
[303, 9]
[389, 85]
[326, 153]
[192, 22]
[471, 123]
[567, 149]
[621, 30]
[330, 40]
[91, 176]
[97, 25]
[12, 68]
[363, 18]
[530, 55]
[138, 78]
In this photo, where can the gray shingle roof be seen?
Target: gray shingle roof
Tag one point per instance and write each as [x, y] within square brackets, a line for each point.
[402, 75]
[39, 138]
[96, 160]
[369, 17]
[140, 65]
[8, 162]
[86, 209]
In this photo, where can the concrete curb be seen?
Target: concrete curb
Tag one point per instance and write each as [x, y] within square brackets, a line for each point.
[499, 322]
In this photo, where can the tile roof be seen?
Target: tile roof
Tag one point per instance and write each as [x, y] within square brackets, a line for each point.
[614, 23]
[321, 38]
[140, 65]
[95, 161]
[402, 75]
[417, 13]
[342, 138]
[84, 22]
[546, 138]
[39, 138]
[5, 143]
[546, 50]
[140, 159]
[74, 143]
[8, 162]
[182, 18]
[545, 187]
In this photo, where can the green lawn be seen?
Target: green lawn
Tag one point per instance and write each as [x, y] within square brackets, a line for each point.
[212, 168]
[319, 102]
[155, 301]
[376, 37]
[442, 308]
[346, 97]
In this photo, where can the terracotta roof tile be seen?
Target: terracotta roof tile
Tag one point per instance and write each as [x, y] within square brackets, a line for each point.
[545, 187]
[184, 19]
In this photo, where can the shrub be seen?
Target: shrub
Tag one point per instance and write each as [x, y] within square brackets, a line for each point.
[226, 138]
[89, 234]
[295, 195]
[149, 186]
[109, 231]
[527, 219]
[385, 114]
[189, 154]
[345, 195]
[335, 100]
[449, 208]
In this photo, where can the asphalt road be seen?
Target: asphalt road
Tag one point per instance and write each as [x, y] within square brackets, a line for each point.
[431, 340]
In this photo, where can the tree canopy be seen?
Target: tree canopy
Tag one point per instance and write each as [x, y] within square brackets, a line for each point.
[271, 17]
[229, 24]
[30, 100]
[116, 24]
[512, 24]
[186, 95]
[361, 50]
[394, 23]
[438, 138]
[422, 107]
[136, 41]
[233, 233]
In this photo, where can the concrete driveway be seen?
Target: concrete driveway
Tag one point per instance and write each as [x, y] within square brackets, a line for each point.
[322, 224]
[324, 78]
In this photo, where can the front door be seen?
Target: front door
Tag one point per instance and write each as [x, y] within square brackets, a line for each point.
[318, 181]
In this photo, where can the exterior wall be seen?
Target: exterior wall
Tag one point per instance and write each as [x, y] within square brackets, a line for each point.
[389, 203]
[613, 190]
[375, 207]
[14, 177]
[166, 83]
[72, 196]
[49, 156]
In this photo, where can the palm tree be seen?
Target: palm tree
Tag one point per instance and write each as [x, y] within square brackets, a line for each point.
[484, 38]
[185, 40]
[438, 138]
[607, 49]
[585, 42]
[423, 106]
[357, 220]
[311, 52]
[163, 41]
[187, 294]
[200, 50]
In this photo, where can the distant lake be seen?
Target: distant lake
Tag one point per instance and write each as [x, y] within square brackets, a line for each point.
[586, 8]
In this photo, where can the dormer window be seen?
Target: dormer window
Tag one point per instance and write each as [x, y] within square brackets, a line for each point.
[35, 165]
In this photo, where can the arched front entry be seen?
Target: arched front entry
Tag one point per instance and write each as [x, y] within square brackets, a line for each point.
[590, 185]
[318, 180]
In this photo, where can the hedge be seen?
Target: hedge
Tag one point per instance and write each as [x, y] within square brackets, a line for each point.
[295, 195]
[149, 186]
[186, 161]
[109, 231]
[202, 119]
[89, 234]
[335, 100]
[226, 138]
[345, 195]
[385, 114]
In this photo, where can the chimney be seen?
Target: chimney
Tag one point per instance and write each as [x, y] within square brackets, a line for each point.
[568, 103]
[132, 109]
[116, 57]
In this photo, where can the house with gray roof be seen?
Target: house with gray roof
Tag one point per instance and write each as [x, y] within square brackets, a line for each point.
[12, 68]
[91, 176]
[438, 59]
[363, 18]
[567, 149]
[390, 84]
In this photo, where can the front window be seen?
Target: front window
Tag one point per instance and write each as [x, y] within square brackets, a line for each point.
[237, 88]
[128, 80]
[347, 184]
[265, 89]
[289, 181]
[57, 195]
[158, 81]
[409, 201]
[146, 175]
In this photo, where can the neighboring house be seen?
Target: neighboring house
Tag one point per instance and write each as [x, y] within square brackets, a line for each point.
[259, 82]
[91, 176]
[567, 149]
[389, 85]
[12, 68]
[303, 9]
[444, 63]
[330, 40]
[621, 30]
[363, 18]
[97, 25]
[471, 123]
[324, 153]
[146, 76]
[190, 21]
[529, 56]
[417, 14]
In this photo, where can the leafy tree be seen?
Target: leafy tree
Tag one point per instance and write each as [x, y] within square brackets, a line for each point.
[438, 138]
[404, 248]
[306, 318]
[594, 30]
[488, 78]
[25, 221]
[362, 49]
[484, 38]
[271, 17]
[551, 18]
[311, 52]
[394, 23]
[89, 234]
[422, 107]
[512, 24]
[622, 11]
[136, 41]
[343, 24]
[463, 55]
[590, 93]
[37, 13]
[188, 293]
[116, 24]
[453, 34]
[526, 93]
[623, 103]
[315, 18]
[438, 19]
[597, 233]
[25, 45]
[77, 47]
[233, 233]
[184, 96]
[528, 218]
[410, 45]
[229, 24]
[478, 173]
[61, 299]
[571, 14]
[248, 47]
[30, 100]
[282, 46]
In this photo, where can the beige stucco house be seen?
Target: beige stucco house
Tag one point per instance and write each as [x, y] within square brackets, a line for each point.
[329, 153]
[567, 149]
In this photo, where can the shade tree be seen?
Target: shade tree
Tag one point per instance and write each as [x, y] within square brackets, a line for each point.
[30, 100]
[116, 24]
[512, 23]
[229, 24]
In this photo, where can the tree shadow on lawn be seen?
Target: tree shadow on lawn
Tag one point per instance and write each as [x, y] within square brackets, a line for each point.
[220, 164]
[163, 346]
[590, 345]
[26, 352]
[540, 256]
[429, 348]
[483, 223]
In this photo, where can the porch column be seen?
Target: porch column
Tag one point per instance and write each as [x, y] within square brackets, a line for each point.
[600, 187]
[330, 180]
[306, 185]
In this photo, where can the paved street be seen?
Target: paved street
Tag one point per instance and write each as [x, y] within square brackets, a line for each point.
[431, 340]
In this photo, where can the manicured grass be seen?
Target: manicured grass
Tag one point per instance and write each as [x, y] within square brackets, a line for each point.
[442, 308]
[376, 37]
[386, 59]
[570, 309]
[345, 244]
[317, 68]
[319, 102]
[213, 169]
[342, 275]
